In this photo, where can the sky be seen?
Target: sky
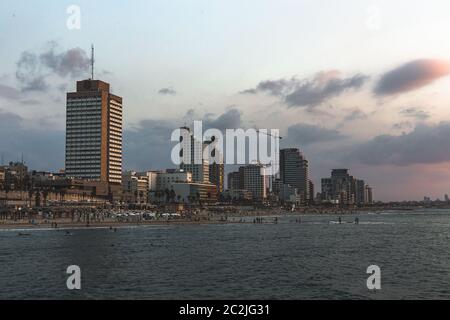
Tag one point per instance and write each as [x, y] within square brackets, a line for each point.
[354, 84]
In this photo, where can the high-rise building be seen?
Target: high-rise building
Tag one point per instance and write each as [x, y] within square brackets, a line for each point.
[369, 195]
[360, 192]
[294, 170]
[191, 154]
[311, 191]
[342, 183]
[217, 176]
[345, 189]
[216, 166]
[235, 180]
[94, 133]
[255, 180]
[327, 189]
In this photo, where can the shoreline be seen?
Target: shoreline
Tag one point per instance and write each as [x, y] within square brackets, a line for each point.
[100, 225]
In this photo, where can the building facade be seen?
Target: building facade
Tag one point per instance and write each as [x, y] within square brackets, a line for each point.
[165, 180]
[191, 154]
[294, 171]
[255, 180]
[345, 189]
[94, 133]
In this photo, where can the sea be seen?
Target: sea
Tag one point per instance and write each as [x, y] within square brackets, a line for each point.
[318, 258]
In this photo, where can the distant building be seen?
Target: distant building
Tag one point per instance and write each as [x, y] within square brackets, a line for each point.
[135, 187]
[311, 191]
[165, 180]
[151, 177]
[237, 195]
[217, 176]
[369, 195]
[2, 178]
[345, 189]
[255, 180]
[327, 189]
[194, 192]
[360, 192]
[94, 133]
[14, 176]
[294, 171]
[216, 166]
[290, 195]
[192, 159]
[235, 180]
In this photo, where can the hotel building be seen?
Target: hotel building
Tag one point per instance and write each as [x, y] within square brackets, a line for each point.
[94, 133]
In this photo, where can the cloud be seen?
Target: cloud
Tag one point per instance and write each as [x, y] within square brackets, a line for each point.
[167, 92]
[9, 93]
[411, 76]
[309, 92]
[73, 62]
[318, 90]
[33, 68]
[355, 114]
[272, 87]
[426, 144]
[42, 149]
[230, 119]
[402, 125]
[415, 113]
[302, 134]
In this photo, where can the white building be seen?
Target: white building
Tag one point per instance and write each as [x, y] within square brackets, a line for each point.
[165, 180]
[151, 177]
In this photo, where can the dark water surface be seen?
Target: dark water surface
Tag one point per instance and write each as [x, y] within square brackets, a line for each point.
[313, 260]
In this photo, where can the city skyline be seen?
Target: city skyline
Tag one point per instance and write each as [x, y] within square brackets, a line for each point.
[384, 116]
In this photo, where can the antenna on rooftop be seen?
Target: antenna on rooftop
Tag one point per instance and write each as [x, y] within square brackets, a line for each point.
[92, 62]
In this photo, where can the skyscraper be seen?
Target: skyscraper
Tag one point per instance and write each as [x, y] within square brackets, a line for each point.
[236, 180]
[294, 170]
[360, 192]
[345, 188]
[94, 133]
[255, 180]
[217, 176]
[216, 166]
[191, 154]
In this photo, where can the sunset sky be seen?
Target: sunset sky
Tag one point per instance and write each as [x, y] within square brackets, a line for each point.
[357, 84]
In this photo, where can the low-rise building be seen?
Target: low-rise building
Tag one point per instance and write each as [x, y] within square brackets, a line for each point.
[237, 195]
[192, 192]
[135, 187]
[165, 180]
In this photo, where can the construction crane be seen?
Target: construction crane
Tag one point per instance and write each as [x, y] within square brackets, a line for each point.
[269, 134]
[277, 155]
